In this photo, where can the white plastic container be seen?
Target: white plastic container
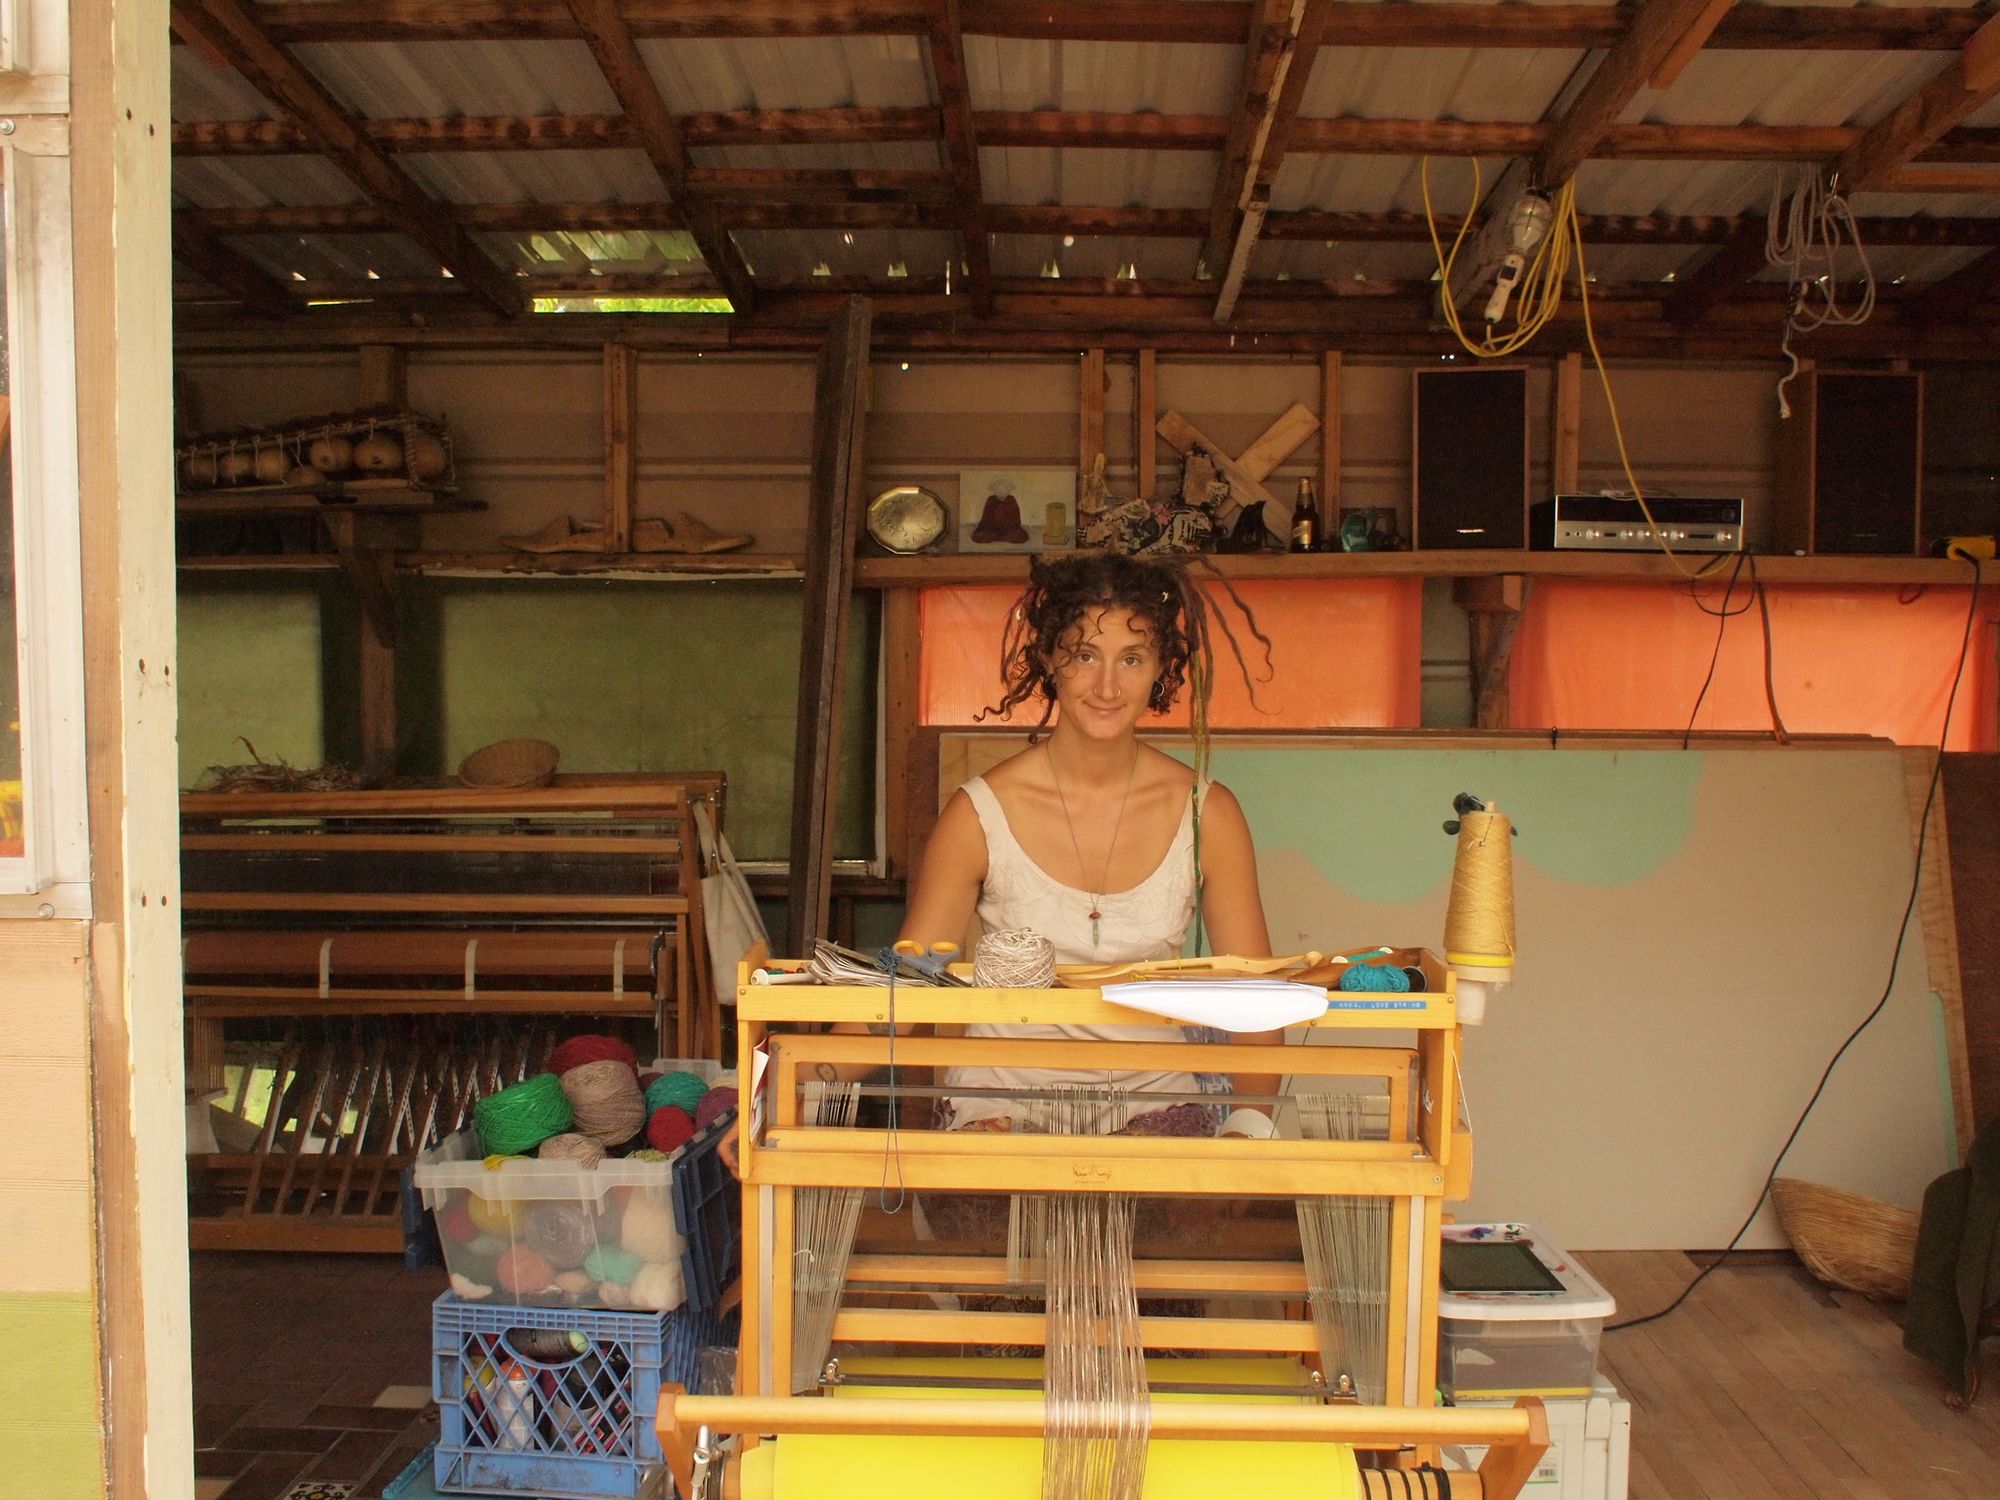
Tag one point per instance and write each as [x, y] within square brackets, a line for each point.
[1535, 1335]
[554, 1233]
[1590, 1448]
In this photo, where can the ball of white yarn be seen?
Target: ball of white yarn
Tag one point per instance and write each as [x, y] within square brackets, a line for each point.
[1018, 958]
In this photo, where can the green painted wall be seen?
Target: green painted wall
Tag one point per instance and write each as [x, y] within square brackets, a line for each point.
[623, 676]
[49, 1418]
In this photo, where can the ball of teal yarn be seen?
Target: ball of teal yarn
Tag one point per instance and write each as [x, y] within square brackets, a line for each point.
[521, 1116]
[610, 1263]
[683, 1090]
[1383, 979]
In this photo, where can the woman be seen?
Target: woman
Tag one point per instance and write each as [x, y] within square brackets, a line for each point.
[1105, 846]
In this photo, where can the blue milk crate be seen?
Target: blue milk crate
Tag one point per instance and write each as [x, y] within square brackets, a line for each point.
[708, 1214]
[556, 1402]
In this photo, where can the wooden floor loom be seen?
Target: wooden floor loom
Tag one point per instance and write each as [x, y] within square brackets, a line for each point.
[1230, 1224]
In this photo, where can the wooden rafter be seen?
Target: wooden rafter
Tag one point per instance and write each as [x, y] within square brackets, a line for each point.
[230, 28]
[632, 85]
[1268, 49]
[1965, 83]
[231, 270]
[1047, 219]
[961, 143]
[1740, 257]
[1755, 27]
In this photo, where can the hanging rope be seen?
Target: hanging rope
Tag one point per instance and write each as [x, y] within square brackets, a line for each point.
[1803, 236]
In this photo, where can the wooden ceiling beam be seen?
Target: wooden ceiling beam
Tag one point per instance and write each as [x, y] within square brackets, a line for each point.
[232, 271]
[1741, 257]
[1046, 219]
[1966, 82]
[633, 86]
[1754, 27]
[1269, 45]
[945, 33]
[230, 28]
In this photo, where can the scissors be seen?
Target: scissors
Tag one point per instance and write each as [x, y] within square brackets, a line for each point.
[927, 960]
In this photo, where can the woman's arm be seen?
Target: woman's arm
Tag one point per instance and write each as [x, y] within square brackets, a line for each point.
[1233, 912]
[946, 889]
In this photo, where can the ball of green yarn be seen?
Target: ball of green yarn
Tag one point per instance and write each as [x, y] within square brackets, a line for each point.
[521, 1116]
[683, 1090]
[609, 1263]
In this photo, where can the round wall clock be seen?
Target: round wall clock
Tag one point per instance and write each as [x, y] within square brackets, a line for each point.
[907, 518]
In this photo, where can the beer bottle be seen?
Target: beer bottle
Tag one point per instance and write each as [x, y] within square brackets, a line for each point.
[1305, 520]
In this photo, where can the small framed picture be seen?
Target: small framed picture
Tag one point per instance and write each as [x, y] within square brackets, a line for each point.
[1016, 510]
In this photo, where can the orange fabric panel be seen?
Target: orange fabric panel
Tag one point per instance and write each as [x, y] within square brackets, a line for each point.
[1846, 660]
[1343, 656]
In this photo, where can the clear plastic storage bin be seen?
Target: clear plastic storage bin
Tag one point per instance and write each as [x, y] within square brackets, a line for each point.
[554, 1233]
[1516, 1316]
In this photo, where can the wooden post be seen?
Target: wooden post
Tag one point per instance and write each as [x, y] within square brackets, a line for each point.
[1329, 443]
[1493, 605]
[1090, 412]
[1566, 442]
[367, 546]
[1145, 412]
[902, 708]
[835, 518]
[384, 376]
[621, 470]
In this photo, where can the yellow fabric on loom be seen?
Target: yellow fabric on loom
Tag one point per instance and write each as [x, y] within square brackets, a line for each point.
[815, 1467]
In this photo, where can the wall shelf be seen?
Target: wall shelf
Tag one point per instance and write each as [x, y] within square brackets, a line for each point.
[714, 565]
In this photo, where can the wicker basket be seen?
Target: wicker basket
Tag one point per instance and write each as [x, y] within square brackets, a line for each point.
[510, 763]
[1846, 1240]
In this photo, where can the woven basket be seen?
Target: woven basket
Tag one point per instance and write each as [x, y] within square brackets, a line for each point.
[510, 763]
[1846, 1240]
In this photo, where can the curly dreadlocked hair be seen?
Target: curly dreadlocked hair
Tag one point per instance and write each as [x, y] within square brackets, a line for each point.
[1173, 607]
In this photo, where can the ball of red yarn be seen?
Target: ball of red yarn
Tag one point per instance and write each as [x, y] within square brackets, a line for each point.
[523, 1270]
[671, 1126]
[579, 1050]
[455, 1224]
[716, 1103]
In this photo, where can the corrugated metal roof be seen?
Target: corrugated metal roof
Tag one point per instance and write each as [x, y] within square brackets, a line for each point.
[883, 72]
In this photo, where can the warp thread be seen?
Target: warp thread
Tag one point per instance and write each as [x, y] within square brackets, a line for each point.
[1376, 979]
[1479, 916]
[605, 1098]
[560, 1233]
[578, 1050]
[670, 1128]
[1017, 958]
[681, 1089]
[521, 1116]
[580, 1149]
[716, 1103]
[608, 1263]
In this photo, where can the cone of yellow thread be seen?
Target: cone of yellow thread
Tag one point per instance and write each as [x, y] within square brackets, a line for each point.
[1479, 918]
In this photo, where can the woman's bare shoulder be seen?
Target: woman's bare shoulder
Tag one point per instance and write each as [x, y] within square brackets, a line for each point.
[1162, 770]
[1016, 770]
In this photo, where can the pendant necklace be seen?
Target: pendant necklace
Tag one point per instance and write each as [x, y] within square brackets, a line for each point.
[1104, 876]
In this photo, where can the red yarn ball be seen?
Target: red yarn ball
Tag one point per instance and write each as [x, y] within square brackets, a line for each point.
[523, 1270]
[455, 1224]
[579, 1050]
[670, 1127]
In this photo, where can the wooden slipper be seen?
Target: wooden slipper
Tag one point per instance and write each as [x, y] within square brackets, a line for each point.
[685, 533]
[560, 535]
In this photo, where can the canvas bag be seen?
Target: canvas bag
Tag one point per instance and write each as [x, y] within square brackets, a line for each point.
[729, 911]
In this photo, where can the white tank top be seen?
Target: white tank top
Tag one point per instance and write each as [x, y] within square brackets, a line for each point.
[1148, 921]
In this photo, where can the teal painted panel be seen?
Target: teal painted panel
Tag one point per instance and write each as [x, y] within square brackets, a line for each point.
[1371, 821]
[248, 669]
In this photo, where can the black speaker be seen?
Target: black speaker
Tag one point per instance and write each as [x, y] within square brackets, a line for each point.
[1850, 474]
[1469, 464]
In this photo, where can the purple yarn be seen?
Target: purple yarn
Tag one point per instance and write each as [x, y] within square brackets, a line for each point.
[716, 1103]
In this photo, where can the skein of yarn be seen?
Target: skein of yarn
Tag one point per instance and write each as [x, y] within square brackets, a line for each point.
[716, 1103]
[522, 1270]
[659, 1286]
[607, 1263]
[580, 1149]
[670, 1127]
[1015, 958]
[578, 1050]
[1380, 979]
[521, 1116]
[648, 1231]
[560, 1233]
[605, 1099]
[681, 1089]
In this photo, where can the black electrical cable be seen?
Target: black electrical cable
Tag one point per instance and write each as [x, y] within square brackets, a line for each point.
[1778, 731]
[1895, 961]
[1722, 617]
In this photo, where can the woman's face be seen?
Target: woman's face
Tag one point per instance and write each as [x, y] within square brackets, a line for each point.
[1105, 668]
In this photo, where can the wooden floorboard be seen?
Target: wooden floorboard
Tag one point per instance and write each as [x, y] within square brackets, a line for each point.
[1766, 1386]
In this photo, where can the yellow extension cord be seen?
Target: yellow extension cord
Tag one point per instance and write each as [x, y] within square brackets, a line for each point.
[1538, 296]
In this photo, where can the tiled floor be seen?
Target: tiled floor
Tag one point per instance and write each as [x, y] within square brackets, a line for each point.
[311, 1374]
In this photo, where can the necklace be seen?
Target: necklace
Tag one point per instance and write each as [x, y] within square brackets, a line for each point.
[1104, 876]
